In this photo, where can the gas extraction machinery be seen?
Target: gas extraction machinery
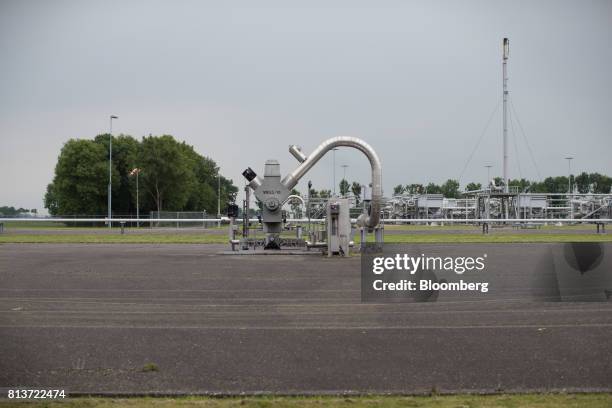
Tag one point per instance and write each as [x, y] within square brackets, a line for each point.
[273, 192]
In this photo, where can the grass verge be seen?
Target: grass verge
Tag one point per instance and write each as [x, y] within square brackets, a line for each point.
[450, 401]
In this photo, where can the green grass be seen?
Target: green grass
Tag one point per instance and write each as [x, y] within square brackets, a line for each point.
[35, 224]
[450, 401]
[423, 227]
[54, 225]
[150, 367]
[113, 238]
[448, 226]
[493, 238]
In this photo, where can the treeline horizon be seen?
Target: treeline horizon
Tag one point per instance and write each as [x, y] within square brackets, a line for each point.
[13, 211]
[583, 183]
[172, 176]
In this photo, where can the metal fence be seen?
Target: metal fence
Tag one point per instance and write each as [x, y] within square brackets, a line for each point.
[179, 216]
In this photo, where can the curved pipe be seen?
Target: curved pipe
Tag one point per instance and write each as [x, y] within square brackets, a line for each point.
[294, 196]
[292, 179]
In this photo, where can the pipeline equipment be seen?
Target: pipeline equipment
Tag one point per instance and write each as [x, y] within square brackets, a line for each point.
[272, 191]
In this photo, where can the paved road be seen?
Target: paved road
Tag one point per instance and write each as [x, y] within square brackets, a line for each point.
[89, 317]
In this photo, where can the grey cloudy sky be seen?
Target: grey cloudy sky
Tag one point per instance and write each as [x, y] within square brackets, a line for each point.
[242, 80]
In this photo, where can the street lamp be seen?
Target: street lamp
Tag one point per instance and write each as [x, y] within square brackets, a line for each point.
[219, 199]
[569, 173]
[344, 166]
[488, 166]
[136, 171]
[569, 184]
[334, 169]
[110, 170]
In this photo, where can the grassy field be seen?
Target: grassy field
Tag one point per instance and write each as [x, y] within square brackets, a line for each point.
[451, 401]
[33, 232]
[67, 238]
[54, 225]
[493, 238]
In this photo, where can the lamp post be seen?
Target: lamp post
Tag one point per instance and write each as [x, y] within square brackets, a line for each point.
[569, 173]
[219, 199]
[488, 166]
[136, 171]
[569, 184]
[110, 171]
[344, 166]
[334, 168]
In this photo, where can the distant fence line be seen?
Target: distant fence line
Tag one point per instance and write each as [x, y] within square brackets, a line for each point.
[391, 221]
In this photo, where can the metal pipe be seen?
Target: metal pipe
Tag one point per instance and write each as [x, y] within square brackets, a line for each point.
[373, 218]
[253, 179]
[294, 197]
[296, 151]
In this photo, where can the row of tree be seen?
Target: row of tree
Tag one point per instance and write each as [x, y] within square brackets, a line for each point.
[583, 183]
[345, 187]
[13, 212]
[172, 176]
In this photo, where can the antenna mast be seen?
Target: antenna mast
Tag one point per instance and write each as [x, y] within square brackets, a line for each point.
[506, 53]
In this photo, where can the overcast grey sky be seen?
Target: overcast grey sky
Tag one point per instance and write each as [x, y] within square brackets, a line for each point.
[242, 80]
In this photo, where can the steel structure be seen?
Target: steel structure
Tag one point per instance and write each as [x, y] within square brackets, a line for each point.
[494, 203]
[506, 54]
[273, 192]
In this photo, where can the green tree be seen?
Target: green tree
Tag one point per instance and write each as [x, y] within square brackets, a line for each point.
[473, 186]
[173, 177]
[167, 173]
[415, 189]
[537, 187]
[583, 183]
[450, 189]
[344, 187]
[356, 190]
[80, 183]
[499, 182]
[522, 184]
[399, 189]
[204, 190]
[433, 188]
[556, 184]
[600, 184]
[125, 152]
[325, 193]
[12, 211]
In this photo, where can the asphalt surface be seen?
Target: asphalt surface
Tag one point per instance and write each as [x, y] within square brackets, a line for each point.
[89, 317]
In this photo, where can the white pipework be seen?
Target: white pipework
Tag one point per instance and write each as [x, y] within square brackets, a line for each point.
[292, 179]
[296, 151]
[294, 197]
